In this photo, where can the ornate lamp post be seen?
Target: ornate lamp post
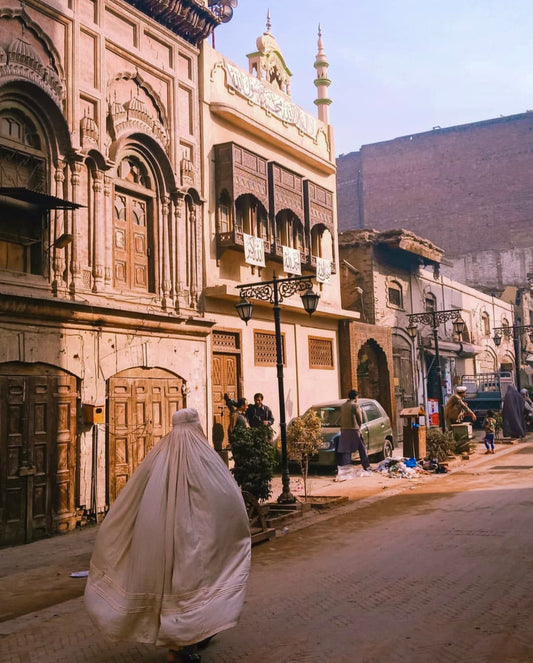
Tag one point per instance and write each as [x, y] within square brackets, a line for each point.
[434, 319]
[515, 332]
[274, 292]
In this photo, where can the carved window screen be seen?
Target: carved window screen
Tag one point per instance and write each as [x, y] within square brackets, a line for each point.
[321, 353]
[226, 341]
[265, 348]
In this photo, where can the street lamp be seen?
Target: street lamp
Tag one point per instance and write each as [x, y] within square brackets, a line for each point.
[274, 292]
[513, 332]
[434, 319]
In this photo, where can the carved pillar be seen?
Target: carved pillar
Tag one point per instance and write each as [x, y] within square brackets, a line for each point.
[165, 253]
[107, 230]
[193, 253]
[75, 268]
[58, 262]
[99, 234]
[180, 278]
[174, 220]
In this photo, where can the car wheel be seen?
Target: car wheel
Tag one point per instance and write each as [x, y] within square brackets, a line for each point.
[387, 449]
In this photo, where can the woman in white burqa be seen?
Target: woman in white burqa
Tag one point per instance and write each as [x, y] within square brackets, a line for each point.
[172, 557]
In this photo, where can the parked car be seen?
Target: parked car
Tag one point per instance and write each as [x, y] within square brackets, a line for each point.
[376, 430]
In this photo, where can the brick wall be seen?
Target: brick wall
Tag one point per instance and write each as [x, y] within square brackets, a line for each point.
[466, 188]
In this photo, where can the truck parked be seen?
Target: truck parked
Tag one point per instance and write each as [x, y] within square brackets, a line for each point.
[486, 391]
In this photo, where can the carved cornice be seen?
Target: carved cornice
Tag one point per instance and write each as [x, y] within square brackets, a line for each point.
[190, 19]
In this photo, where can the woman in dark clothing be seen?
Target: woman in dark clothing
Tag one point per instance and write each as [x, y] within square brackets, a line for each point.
[513, 414]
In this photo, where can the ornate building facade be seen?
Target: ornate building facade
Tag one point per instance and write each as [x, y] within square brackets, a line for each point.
[101, 255]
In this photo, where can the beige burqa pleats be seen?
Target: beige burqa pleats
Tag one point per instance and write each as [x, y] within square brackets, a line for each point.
[172, 557]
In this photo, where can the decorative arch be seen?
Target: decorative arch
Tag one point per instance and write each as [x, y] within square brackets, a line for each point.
[373, 376]
[290, 230]
[251, 217]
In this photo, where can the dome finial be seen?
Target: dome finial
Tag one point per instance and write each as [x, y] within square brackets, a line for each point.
[269, 23]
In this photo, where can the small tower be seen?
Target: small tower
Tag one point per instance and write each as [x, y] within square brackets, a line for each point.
[322, 81]
[267, 62]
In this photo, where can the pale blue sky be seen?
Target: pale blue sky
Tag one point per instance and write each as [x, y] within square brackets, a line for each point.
[397, 66]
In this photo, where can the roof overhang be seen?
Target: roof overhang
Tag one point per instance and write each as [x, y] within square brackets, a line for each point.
[451, 349]
[42, 201]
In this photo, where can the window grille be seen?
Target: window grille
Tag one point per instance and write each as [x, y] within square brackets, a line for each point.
[265, 348]
[320, 353]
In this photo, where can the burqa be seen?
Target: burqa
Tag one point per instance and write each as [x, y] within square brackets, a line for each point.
[513, 414]
[172, 557]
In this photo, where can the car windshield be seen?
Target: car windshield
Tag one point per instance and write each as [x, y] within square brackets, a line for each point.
[329, 416]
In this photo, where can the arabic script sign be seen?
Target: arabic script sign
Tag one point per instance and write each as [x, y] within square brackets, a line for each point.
[254, 250]
[323, 270]
[256, 92]
[292, 261]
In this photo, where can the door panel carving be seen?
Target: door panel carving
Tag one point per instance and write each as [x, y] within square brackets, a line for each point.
[140, 406]
[37, 451]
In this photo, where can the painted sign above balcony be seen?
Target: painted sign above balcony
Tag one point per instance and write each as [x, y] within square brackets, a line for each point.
[292, 261]
[254, 250]
[267, 98]
[323, 270]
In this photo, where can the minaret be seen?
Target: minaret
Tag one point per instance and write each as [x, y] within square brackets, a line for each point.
[322, 81]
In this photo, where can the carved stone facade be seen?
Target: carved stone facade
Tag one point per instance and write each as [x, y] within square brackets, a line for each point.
[101, 255]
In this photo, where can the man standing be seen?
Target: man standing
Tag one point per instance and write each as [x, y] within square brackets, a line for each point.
[456, 409]
[350, 439]
[258, 414]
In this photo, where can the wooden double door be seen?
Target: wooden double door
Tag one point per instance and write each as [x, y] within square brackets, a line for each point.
[225, 380]
[37, 451]
[140, 406]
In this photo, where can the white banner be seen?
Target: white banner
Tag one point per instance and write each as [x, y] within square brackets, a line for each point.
[292, 261]
[254, 250]
[323, 270]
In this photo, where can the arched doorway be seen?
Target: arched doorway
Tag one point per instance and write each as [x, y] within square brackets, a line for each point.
[37, 451]
[140, 405]
[373, 379]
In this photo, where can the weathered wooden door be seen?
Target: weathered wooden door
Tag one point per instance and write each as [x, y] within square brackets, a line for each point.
[225, 381]
[140, 405]
[37, 452]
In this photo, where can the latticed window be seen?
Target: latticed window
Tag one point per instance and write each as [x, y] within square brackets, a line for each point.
[320, 353]
[265, 348]
[225, 340]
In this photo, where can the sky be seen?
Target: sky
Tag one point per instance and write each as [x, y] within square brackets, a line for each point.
[397, 67]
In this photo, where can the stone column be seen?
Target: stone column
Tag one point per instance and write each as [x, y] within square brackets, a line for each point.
[99, 234]
[107, 229]
[58, 225]
[75, 268]
[165, 253]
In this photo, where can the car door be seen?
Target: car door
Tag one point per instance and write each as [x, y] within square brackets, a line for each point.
[373, 428]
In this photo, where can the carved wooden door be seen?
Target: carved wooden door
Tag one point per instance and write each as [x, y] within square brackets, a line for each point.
[225, 381]
[37, 454]
[130, 243]
[140, 405]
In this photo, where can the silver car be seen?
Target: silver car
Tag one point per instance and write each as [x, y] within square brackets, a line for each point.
[376, 430]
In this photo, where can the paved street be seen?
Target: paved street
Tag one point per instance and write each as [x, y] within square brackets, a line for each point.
[437, 569]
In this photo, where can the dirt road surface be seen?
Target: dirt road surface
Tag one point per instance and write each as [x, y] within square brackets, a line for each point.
[439, 571]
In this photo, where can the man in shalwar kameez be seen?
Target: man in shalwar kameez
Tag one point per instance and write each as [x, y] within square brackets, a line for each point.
[172, 557]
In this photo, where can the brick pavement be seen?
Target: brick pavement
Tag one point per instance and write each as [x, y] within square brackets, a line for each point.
[63, 632]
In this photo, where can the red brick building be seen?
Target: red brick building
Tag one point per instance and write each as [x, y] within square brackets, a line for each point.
[468, 189]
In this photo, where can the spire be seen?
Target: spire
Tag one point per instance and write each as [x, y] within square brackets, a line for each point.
[322, 81]
[269, 23]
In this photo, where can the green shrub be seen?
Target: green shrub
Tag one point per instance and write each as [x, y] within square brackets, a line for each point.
[439, 445]
[304, 437]
[253, 456]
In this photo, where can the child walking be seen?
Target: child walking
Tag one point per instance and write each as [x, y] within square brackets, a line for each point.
[490, 430]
